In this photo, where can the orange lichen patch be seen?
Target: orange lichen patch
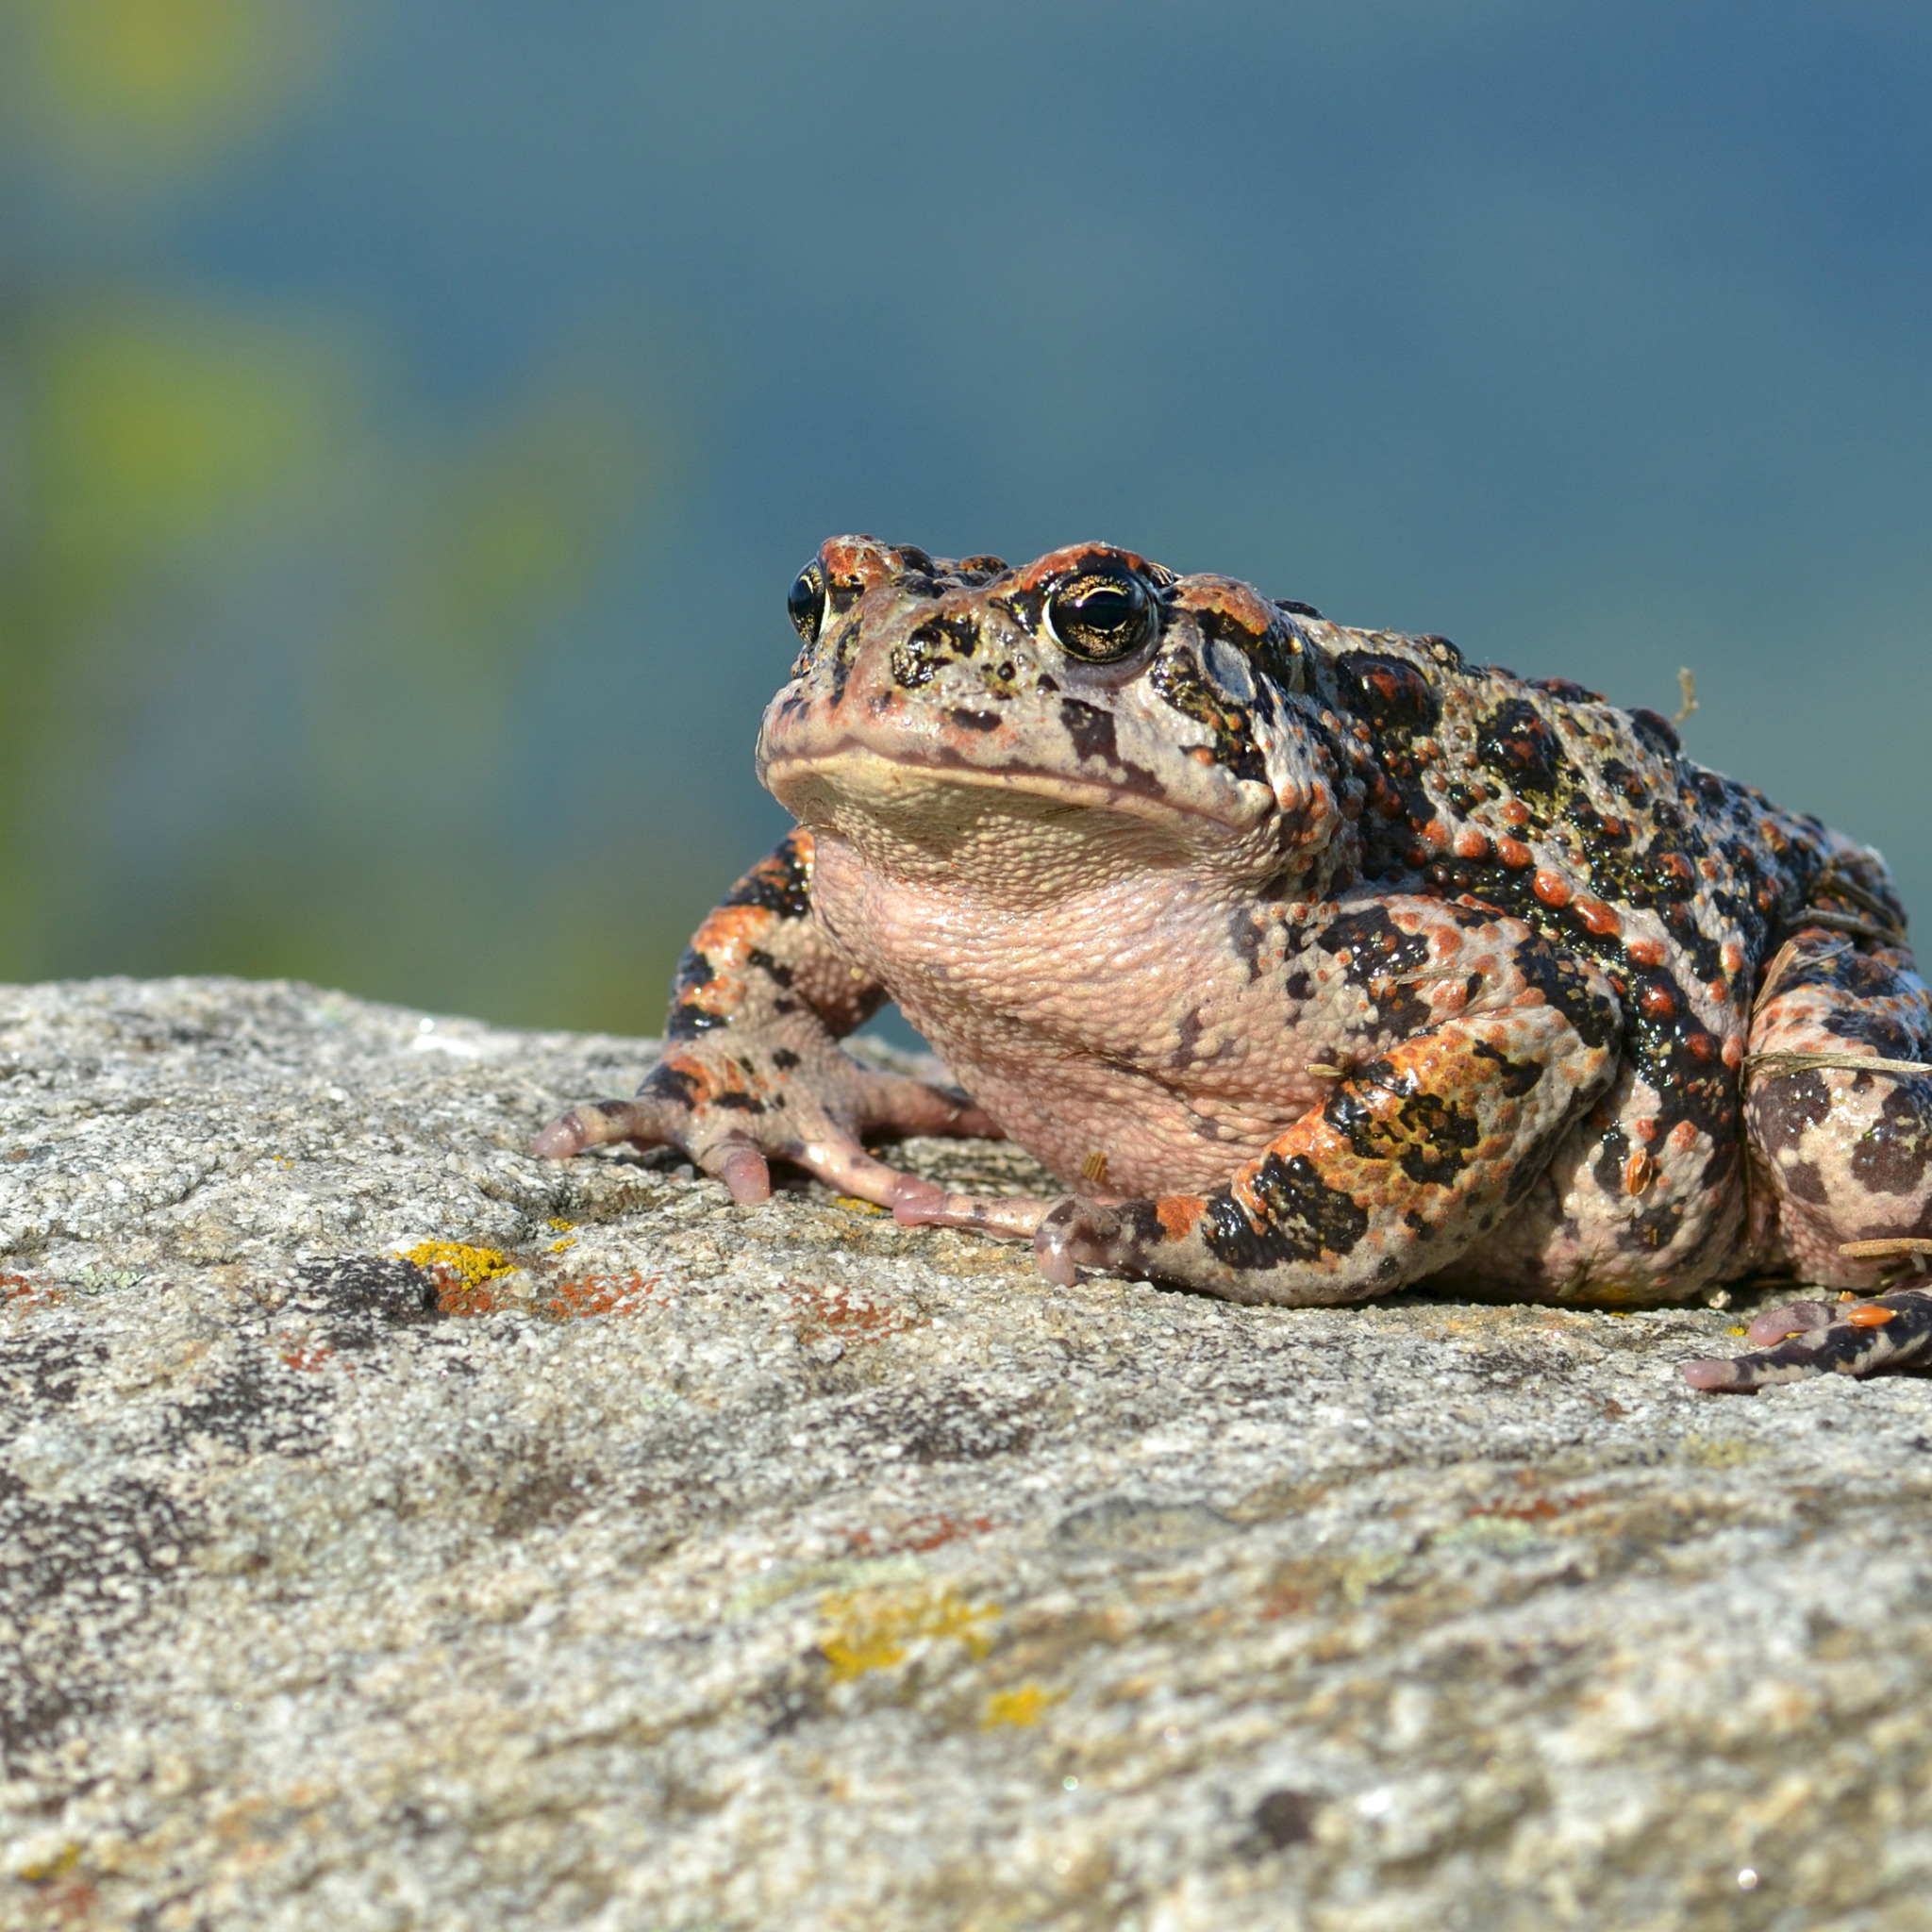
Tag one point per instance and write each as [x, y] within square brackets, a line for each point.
[820, 1312]
[307, 1354]
[872, 1629]
[1288, 1600]
[1538, 1508]
[17, 1292]
[1019, 1706]
[603, 1294]
[920, 1533]
[462, 1275]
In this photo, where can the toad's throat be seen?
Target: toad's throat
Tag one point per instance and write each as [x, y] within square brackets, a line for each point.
[858, 775]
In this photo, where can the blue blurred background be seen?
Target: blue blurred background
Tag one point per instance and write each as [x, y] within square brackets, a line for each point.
[412, 418]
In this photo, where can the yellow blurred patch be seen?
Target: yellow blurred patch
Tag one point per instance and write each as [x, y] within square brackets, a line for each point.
[871, 1629]
[1019, 1706]
[183, 77]
[160, 425]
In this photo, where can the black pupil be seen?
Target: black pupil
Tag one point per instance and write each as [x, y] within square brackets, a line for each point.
[1106, 606]
[804, 606]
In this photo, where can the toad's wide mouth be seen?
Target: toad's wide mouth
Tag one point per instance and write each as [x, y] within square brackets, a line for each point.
[877, 785]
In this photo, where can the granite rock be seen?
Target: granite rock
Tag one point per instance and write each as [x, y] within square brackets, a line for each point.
[396, 1531]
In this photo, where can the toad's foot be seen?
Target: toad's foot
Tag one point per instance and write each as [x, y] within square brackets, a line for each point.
[923, 1203]
[732, 1113]
[1849, 1338]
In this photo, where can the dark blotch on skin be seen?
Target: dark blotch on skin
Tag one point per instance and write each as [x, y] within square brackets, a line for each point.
[1782, 1106]
[1515, 1077]
[973, 721]
[781, 884]
[1562, 983]
[1390, 693]
[665, 1082]
[1374, 945]
[686, 1021]
[1803, 1182]
[940, 641]
[1429, 1136]
[1891, 1154]
[1091, 730]
[775, 970]
[1655, 730]
[1517, 743]
[1304, 1218]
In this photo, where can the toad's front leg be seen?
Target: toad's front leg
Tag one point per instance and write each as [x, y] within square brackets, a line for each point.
[1406, 1162]
[752, 1070]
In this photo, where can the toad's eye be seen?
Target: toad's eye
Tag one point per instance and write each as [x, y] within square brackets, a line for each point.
[1102, 615]
[806, 604]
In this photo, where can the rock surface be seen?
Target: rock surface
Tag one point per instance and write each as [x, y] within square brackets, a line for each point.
[395, 1532]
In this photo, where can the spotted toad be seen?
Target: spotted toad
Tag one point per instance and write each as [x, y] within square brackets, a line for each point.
[1312, 962]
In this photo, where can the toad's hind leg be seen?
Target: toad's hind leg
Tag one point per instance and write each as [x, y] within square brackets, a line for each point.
[1408, 1160]
[1847, 1153]
[1840, 1116]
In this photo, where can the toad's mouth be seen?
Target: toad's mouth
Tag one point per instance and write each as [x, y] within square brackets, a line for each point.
[814, 787]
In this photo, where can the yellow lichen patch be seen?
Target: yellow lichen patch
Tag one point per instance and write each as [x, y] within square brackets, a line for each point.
[1019, 1706]
[58, 1866]
[1720, 1452]
[871, 1629]
[462, 1274]
[852, 1205]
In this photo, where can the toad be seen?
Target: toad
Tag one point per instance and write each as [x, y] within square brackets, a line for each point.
[1312, 962]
